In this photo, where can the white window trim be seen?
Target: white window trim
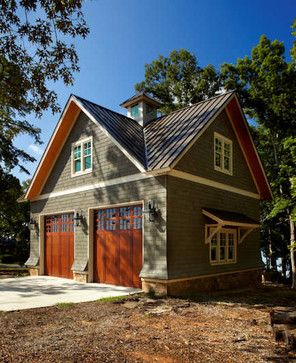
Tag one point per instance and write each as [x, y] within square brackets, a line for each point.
[74, 144]
[223, 139]
[226, 261]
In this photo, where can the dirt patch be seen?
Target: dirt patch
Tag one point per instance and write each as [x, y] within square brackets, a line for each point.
[223, 328]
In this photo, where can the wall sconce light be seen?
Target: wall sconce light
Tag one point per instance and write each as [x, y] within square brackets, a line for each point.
[151, 211]
[32, 224]
[77, 218]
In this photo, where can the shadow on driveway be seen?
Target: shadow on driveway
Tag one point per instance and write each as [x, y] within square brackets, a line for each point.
[31, 292]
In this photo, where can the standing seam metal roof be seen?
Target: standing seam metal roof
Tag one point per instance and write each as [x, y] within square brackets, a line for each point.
[160, 142]
[126, 131]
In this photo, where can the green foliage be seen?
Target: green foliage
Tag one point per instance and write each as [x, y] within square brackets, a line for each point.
[64, 305]
[14, 216]
[34, 50]
[177, 81]
[266, 83]
[113, 299]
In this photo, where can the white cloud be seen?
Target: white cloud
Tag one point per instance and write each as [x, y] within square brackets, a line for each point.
[36, 149]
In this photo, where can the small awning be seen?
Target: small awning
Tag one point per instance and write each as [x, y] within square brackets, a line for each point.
[229, 218]
[221, 218]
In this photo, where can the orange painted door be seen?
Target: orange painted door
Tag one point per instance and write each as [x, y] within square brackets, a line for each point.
[118, 246]
[59, 245]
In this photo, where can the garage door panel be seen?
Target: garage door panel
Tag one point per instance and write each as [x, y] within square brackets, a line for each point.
[126, 259]
[100, 256]
[118, 245]
[111, 258]
[59, 245]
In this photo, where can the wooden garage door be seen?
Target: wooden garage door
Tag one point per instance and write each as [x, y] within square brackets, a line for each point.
[59, 245]
[118, 246]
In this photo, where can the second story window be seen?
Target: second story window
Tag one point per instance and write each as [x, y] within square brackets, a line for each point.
[82, 157]
[135, 112]
[222, 154]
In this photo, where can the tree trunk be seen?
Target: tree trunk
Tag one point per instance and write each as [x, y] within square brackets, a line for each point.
[292, 253]
[284, 267]
[272, 257]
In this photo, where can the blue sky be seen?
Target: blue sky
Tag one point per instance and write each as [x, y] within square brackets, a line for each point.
[127, 34]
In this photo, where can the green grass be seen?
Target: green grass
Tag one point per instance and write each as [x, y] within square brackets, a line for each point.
[113, 299]
[19, 269]
[65, 305]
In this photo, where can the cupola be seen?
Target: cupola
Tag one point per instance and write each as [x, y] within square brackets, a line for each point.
[141, 107]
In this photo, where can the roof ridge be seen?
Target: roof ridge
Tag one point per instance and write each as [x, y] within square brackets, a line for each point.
[185, 107]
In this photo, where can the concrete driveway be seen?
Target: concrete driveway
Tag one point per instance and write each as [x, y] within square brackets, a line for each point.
[35, 292]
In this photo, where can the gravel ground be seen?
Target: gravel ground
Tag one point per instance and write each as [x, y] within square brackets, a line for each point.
[218, 328]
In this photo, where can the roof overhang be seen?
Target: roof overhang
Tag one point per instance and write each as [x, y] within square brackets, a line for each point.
[138, 98]
[53, 148]
[241, 129]
[221, 219]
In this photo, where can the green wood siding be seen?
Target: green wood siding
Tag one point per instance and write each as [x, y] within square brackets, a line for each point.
[108, 163]
[199, 160]
[188, 255]
[108, 160]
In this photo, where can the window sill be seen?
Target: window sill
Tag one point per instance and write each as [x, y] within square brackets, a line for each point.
[73, 175]
[222, 263]
[223, 171]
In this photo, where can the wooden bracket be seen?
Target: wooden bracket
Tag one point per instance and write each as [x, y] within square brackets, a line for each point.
[216, 229]
[241, 236]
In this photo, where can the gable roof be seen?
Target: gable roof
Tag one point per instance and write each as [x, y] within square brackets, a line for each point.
[168, 136]
[128, 132]
[160, 144]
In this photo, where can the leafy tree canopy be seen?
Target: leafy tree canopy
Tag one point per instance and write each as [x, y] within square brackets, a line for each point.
[34, 50]
[13, 216]
[266, 83]
[178, 81]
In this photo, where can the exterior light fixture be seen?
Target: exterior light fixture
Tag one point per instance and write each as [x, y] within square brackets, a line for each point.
[77, 218]
[32, 224]
[151, 211]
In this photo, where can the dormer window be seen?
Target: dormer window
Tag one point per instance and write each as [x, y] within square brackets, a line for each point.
[135, 112]
[222, 154]
[82, 157]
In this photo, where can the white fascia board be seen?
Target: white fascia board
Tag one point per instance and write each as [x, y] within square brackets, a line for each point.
[212, 183]
[102, 184]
